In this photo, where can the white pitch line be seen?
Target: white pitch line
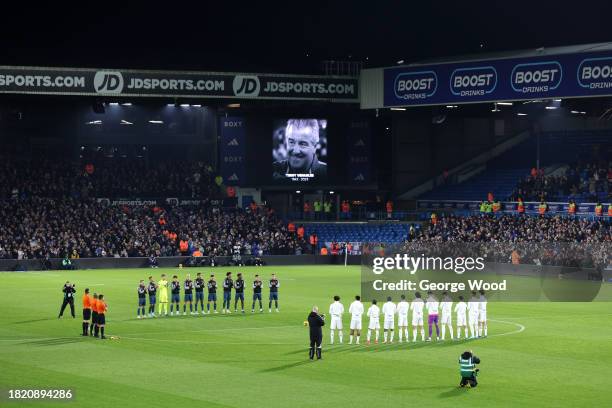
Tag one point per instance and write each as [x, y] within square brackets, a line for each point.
[521, 328]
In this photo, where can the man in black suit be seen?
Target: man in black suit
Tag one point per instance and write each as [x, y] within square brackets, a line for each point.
[315, 323]
[302, 141]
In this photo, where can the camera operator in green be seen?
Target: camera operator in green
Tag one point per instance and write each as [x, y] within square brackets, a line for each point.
[468, 370]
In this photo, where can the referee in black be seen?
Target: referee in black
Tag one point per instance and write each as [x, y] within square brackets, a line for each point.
[315, 323]
[69, 291]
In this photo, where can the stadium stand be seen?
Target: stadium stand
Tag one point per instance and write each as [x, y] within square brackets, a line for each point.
[576, 151]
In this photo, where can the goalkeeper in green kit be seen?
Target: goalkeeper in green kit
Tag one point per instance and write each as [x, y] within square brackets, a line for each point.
[468, 370]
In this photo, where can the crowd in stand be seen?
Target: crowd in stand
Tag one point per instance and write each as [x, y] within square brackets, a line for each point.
[39, 228]
[40, 177]
[591, 179]
[556, 240]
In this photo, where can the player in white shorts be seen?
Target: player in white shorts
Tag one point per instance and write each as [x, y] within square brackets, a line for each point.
[402, 318]
[447, 311]
[356, 311]
[417, 316]
[335, 310]
[374, 315]
[472, 307]
[460, 309]
[482, 315]
[389, 309]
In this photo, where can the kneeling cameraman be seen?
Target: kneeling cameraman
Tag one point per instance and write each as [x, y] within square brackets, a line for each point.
[468, 370]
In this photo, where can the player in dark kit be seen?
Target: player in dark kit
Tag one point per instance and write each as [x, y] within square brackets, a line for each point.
[142, 299]
[86, 312]
[175, 290]
[315, 324]
[199, 292]
[274, 285]
[228, 284]
[239, 286]
[102, 307]
[257, 284]
[69, 291]
[212, 293]
[152, 291]
[188, 296]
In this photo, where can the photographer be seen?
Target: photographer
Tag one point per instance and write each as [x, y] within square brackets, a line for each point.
[468, 370]
[315, 324]
[69, 290]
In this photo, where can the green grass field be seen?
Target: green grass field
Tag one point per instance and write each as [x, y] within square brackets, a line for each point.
[537, 354]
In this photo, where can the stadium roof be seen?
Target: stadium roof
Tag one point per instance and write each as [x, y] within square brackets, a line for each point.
[533, 52]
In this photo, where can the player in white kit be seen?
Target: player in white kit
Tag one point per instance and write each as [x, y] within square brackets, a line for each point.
[447, 311]
[374, 315]
[356, 311]
[335, 311]
[417, 316]
[482, 315]
[389, 309]
[402, 318]
[460, 309]
[472, 307]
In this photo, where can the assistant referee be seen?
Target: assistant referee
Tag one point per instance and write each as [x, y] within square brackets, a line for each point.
[315, 323]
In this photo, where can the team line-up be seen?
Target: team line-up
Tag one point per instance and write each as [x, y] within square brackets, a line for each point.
[157, 292]
[471, 317]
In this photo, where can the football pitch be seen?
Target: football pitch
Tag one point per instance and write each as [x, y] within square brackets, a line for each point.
[537, 354]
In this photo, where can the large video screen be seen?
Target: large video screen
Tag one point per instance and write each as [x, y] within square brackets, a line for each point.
[299, 151]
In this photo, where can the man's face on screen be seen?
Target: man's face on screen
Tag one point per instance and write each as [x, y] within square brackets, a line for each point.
[301, 148]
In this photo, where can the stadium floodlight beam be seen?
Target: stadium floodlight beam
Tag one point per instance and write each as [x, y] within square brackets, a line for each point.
[451, 106]
[185, 105]
[550, 107]
[196, 106]
[156, 122]
[398, 109]
[126, 122]
[114, 104]
[521, 114]
[505, 103]
[127, 104]
[400, 62]
[557, 100]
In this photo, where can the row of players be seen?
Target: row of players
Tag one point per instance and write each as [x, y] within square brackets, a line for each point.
[475, 321]
[159, 289]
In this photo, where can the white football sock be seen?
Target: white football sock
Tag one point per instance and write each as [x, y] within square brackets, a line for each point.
[331, 337]
[392, 335]
[443, 332]
[340, 336]
[450, 329]
[400, 334]
[369, 335]
[357, 342]
[377, 334]
[385, 336]
[350, 339]
[414, 334]
[485, 331]
[423, 334]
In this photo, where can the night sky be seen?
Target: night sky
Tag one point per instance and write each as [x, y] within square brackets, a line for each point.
[290, 36]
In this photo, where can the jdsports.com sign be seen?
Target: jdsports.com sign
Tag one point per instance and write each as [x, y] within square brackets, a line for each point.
[552, 76]
[75, 81]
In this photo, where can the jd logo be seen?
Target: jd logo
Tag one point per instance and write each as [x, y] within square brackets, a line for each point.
[108, 82]
[246, 85]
